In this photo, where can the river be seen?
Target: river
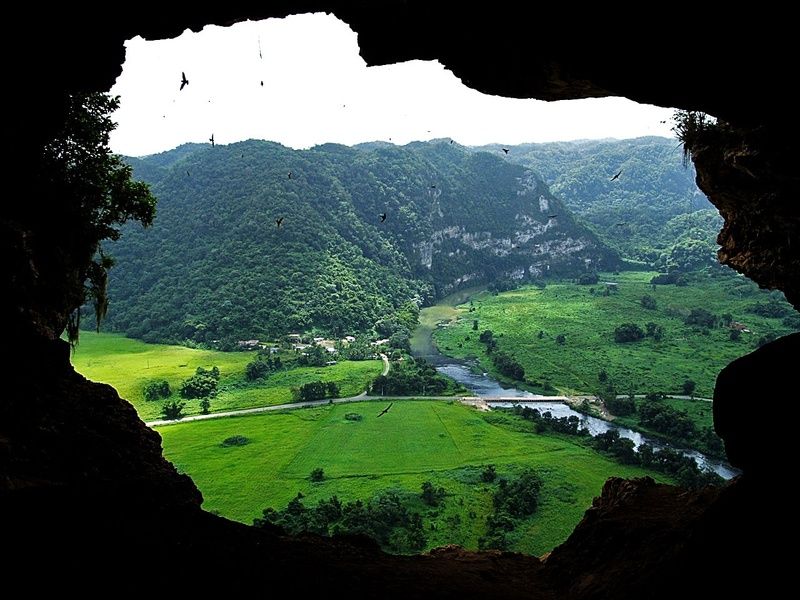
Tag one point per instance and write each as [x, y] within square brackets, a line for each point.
[484, 386]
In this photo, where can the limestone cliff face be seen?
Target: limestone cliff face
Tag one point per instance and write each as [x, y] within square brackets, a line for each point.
[751, 176]
[84, 491]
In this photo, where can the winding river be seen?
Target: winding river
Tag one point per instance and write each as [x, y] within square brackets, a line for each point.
[484, 386]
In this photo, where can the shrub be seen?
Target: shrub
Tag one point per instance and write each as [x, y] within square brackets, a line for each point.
[235, 440]
[561, 339]
[430, 495]
[628, 332]
[156, 390]
[173, 409]
[353, 417]
[200, 385]
[489, 474]
[648, 302]
[317, 474]
[701, 317]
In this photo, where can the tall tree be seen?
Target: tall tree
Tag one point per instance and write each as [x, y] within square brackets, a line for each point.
[91, 193]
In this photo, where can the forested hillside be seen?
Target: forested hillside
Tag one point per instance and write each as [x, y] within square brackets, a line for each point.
[653, 206]
[217, 266]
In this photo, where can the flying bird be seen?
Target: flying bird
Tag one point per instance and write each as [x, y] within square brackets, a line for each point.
[211, 139]
[505, 150]
[383, 217]
[552, 217]
[187, 173]
[433, 186]
[279, 221]
[262, 84]
[617, 175]
[184, 81]
[385, 410]
[621, 224]
[290, 174]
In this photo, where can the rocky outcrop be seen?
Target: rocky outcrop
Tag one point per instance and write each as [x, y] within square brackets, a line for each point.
[85, 496]
[751, 176]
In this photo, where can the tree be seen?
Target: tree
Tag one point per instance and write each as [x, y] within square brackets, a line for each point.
[431, 495]
[156, 390]
[688, 388]
[701, 317]
[173, 409]
[475, 325]
[602, 376]
[332, 389]
[317, 474]
[77, 165]
[654, 331]
[202, 384]
[561, 339]
[735, 335]
[628, 332]
[205, 405]
[648, 302]
[489, 474]
[256, 369]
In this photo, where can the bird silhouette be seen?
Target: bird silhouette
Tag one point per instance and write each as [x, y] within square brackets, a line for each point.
[187, 173]
[211, 139]
[552, 217]
[451, 141]
[617, 175]
[433, 186]
[290, 174]
[621, 224]
[262, 84]
[184, 81]
[385, 410]
[383, 217]
[279, 221]
[505, 150]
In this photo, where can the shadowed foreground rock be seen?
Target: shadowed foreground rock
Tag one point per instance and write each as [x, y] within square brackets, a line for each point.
[87, 500]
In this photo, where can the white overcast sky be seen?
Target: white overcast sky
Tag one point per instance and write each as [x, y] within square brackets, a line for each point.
[318, 89]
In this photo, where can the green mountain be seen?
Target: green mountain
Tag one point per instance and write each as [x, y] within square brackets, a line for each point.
[215, 266]
[650, 207]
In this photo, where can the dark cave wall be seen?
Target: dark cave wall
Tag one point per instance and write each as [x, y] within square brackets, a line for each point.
[73, 451]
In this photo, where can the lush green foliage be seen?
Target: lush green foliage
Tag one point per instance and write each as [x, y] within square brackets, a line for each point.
[129, 365]
[628, 332]
[445, 443]
[413, 377]
[203, 384]
[317, 390]
[215, 266]
[172, 409]
[652, 213]
[156, 390]
[673, 353]
[385, 518]
[96, 195]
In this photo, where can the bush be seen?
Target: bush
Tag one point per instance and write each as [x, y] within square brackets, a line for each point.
[256, 369]
[628, 332]
[173, 409]
[792, 321]
[235, 440]
[156, 390]
[701, 317]
[200, 385]
[588, 279]
[353, 417]
[648, 302]
[771, 309]
[205, 405]
[317, 474]
[561, 339]
[688, 387]
[620, 406]
[654, 331]
[489, 474]
[735, 334]
[430, 495]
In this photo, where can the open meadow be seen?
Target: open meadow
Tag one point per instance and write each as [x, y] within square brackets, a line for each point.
[439, 441]
[129, 365]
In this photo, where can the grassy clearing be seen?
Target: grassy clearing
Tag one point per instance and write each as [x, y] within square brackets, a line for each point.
[443, 442]
[129, 365]
[588, 321]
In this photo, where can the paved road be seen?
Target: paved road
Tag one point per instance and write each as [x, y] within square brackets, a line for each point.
[676, 396]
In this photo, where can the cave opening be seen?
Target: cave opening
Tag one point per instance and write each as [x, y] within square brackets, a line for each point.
[144, 477]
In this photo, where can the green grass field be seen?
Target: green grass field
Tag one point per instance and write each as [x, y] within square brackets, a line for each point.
[129, 365]
[444, 442]
[588, 322]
